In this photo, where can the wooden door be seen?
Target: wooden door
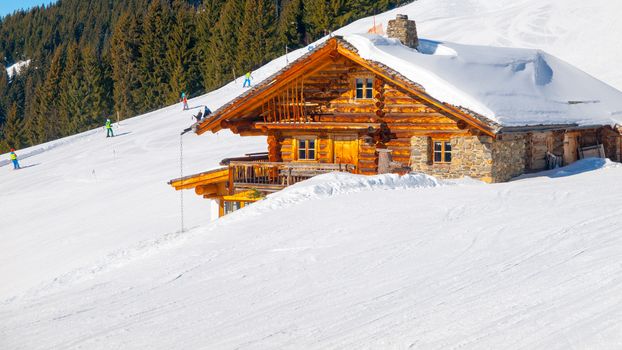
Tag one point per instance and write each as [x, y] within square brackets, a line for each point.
[346, 149]
[570, 148]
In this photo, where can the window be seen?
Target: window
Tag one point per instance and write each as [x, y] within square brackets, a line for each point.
[306, 149]
[364, 88]
[442, 152]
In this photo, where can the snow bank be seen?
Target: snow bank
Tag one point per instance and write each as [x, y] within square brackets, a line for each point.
[337, 183]
[340, 183]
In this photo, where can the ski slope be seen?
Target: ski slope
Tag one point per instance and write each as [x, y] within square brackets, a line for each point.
[91, 255]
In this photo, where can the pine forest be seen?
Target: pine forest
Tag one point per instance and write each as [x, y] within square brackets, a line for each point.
[92, 59]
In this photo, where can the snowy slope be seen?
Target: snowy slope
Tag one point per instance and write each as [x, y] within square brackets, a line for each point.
[86, 197]
[91, 256]
[531, 264]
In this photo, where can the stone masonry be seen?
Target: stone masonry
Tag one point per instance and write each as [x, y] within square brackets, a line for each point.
[479, 157]
[405, 30]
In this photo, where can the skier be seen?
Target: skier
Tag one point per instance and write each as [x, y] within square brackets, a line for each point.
[108, 127]
[184, 100]
[247, 79]
[13, 158]
[206, 112]
[199, 116]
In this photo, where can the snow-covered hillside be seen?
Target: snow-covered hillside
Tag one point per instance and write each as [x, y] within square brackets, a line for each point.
[91, 255]
[17, 67]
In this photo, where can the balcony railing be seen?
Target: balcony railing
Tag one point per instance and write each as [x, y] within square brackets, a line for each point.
[273, 176]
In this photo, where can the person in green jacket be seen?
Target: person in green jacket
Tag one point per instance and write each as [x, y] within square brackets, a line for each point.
[247, 79]
[109, 132]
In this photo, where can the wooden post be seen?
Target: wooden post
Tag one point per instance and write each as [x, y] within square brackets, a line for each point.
[231, 170]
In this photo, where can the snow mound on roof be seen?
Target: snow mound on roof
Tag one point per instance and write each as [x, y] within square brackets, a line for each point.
[16, 68]
[510, 86]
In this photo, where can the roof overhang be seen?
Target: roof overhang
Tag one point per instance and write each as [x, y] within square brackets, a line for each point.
[210, 177]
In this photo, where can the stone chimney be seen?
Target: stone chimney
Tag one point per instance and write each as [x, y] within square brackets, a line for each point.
[403, 29]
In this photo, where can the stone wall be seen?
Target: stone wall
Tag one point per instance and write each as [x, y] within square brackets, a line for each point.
[471, 156]
[479, 157]
[403, 29]
[508, 157]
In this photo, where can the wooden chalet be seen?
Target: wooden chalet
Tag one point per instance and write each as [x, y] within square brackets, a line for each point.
[332, 110]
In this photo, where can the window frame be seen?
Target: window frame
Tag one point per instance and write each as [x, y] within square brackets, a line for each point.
[367, 88]
[443, 151]
[307, 149]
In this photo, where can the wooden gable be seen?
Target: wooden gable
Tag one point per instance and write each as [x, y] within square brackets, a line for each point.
[319, 92]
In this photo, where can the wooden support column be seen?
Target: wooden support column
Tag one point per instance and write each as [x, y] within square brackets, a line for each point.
[274, 146]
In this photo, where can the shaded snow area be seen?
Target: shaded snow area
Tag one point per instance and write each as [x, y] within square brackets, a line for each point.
[342, 262]
[511, 86]
[17, 67]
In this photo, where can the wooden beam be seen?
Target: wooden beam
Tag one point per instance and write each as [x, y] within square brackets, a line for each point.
[316, 126]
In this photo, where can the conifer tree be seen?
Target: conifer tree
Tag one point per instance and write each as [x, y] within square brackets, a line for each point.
[256, 40]
[98, 96]
[124, 53]
[13, 130]
[72, 94]
[46, 118]
[205, 22]
[223, 46]
[317, 18]
[291, 27]
[181, 55]
[153, 68]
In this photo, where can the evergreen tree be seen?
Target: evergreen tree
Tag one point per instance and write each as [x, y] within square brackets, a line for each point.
[223, 46]
[124, 53]
[291, 29]
[317, 18]
[206, 21]
[182, 55]
[46, 118]
[256, 44]
[72, 94]
[97, 88]
[13, 130]
[154, 70]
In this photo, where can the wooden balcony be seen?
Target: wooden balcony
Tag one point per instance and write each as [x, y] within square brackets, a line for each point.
[274, 176]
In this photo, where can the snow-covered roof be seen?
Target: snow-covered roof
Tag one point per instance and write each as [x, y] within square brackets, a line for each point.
[509, 86]
[501, 87]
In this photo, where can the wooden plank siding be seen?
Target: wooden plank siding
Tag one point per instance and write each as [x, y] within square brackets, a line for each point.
[323, 103]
